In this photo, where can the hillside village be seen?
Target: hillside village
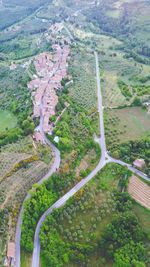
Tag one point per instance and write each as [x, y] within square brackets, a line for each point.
[51, 69]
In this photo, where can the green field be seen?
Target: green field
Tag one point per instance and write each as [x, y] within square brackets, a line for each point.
[82, 68]
[7, 121]
[144, 216]
[126, 124]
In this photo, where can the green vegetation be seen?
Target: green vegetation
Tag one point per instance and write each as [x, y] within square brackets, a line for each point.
[143, 215]
[21, 165]
[124, 125]
[127, 22]
[82, 68]
[15, 11]
[124, 89]
[17, 100]
[134, 149]
[87, 233]
[122, 240]
[7, 121]
[42, 197]
[70, 130]
[79, 153]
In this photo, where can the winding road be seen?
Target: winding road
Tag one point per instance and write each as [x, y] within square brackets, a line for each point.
[55, 165]
[105, 158]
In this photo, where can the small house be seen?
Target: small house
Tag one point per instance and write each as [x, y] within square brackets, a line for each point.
[139, 163]
[11, 254]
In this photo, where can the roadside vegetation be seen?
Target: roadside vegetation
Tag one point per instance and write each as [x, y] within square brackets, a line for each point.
[86, 231]
[100, 225]
[22, 164]
[79, 153]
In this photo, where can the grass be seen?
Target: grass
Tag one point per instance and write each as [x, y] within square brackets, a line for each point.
[95, 210]
[111, 92]
[25, 259]
[7, 121]
[126, 124]
[144, 216]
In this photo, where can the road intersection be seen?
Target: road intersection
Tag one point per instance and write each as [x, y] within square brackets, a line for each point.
[105, 158]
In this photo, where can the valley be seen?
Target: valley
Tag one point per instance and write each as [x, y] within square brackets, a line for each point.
[74, 124]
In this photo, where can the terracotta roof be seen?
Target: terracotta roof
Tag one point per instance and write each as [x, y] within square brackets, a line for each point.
[140, 163]
[11, 250]
[51, 69]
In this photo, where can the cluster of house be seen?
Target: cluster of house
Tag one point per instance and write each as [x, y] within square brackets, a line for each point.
[51, 70]
[9, 260]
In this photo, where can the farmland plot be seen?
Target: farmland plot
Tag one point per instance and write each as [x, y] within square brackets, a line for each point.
[22, 164]
[83, 90]
[122, 125]
[139, 191]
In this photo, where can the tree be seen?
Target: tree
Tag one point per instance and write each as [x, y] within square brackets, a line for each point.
[123, 229]
[130, 255]
[136, 101]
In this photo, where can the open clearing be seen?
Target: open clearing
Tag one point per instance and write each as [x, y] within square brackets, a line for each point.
[139, 191]
[7, 120]
[144, 216]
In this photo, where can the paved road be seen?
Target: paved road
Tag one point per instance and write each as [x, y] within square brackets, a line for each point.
[83, 182]
[55, 165]
[130, 167]
[53, 169]
[105, 158]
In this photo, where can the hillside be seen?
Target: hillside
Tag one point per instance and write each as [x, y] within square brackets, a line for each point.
[74, 122]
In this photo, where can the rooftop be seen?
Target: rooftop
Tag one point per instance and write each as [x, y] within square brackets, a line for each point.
[11, 250]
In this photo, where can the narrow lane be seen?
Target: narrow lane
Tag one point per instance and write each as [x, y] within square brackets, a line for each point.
[83, 182]
[105, 158]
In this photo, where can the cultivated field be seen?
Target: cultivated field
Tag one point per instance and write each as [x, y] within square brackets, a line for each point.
[83, 91]
[22, 164]
[139, 191]
[126, 124]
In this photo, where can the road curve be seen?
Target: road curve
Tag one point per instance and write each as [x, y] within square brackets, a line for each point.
[52, 170]
[83, 182]
[130, 167]
[105, 158]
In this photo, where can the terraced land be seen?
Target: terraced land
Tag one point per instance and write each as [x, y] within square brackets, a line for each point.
[139, 191]
[22, 164]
